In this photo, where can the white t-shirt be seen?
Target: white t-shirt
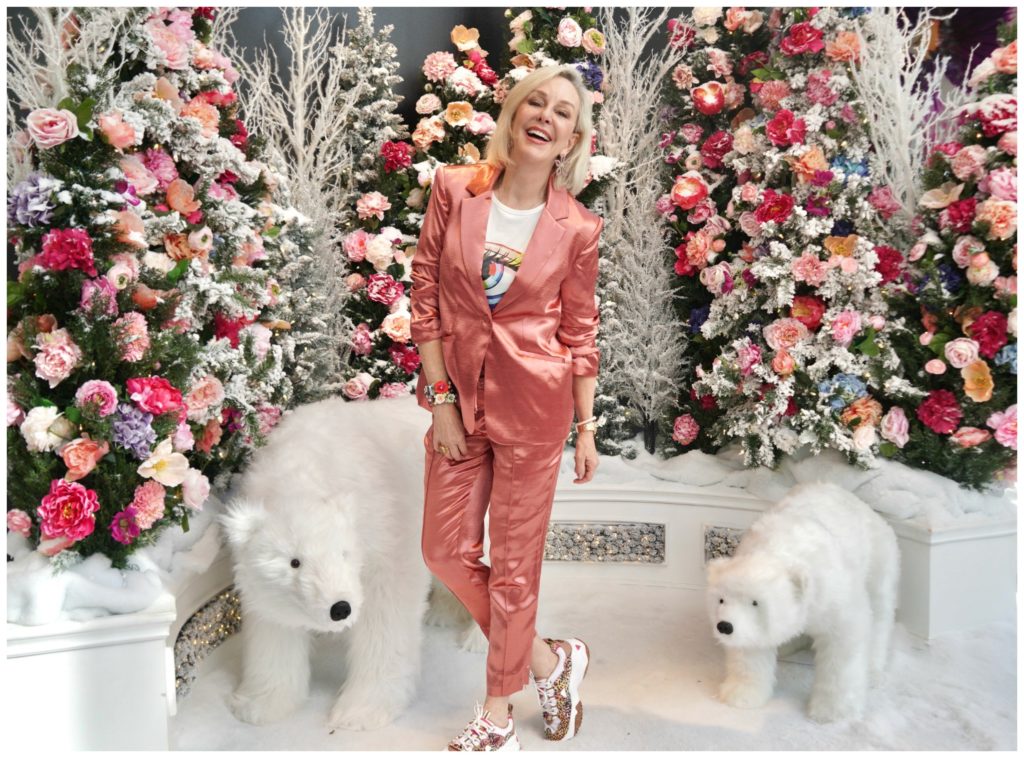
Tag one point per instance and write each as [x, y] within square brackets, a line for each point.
[508, 234]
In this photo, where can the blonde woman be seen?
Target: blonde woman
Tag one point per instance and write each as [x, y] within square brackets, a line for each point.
[505, 316]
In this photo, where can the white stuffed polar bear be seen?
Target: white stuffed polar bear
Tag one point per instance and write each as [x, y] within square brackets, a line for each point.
[821, 562]
[325, 536]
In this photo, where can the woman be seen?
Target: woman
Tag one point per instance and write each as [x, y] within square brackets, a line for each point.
[505, 318]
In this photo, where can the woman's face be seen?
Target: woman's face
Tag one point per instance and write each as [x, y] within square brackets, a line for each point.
[544, 124]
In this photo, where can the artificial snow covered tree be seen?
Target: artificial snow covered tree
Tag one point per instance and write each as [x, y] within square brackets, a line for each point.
[641, 337]
[142, 356]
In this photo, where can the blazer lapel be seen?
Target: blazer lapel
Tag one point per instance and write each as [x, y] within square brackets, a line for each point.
[473, 229]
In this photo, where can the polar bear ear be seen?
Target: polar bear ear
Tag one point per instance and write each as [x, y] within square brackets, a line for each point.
[714, 567]
[242, 520]
[800, 579]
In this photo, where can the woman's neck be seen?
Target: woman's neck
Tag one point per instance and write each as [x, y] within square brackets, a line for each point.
[523, 187]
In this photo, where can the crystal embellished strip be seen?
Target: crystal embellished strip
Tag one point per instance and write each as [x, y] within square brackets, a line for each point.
[720, 541]
[606, 542]
[202, 633]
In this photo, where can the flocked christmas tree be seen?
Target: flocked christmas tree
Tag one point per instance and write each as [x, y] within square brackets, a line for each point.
[141, 356]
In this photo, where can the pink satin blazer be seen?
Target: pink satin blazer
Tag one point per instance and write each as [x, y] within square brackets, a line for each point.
[538, 336]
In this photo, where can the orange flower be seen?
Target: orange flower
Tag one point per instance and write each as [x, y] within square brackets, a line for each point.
[130, 229]
[805, 166]
[164, 90]
[938, 198]
[523, 61]
[206, 114]
[81, 457]
[978, 382]
[465, 39]
[182, 197]
[845, 47]
[177, 247]
[841, 246]
[863, 410]
[458, 113]
[469, 150]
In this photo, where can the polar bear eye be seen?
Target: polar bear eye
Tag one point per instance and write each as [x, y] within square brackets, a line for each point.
[721, 601]
[755, 602]
[296, 563]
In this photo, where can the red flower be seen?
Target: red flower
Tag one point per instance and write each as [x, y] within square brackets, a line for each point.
[68, 248]
[715, 148]
[808, 310]
[383, 288]
[997, 116]
[67, 510]
[226, 327]
[948, 148]
[785, 130]
[154, 394]
[241, 135]
[213, 97]
[802, 38]
[396, 155]
[681, 35]
[989, 331]
[204, 11]
[708, 98]
[777, 206]
[753, 61]
[405, 357]
[940, 412]
[890, 261]
[486, 73]
[959, 216]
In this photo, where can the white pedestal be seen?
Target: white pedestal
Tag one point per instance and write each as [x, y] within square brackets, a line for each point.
[101, 684]
[954, 579]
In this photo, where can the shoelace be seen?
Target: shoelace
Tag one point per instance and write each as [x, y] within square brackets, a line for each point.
[475, 732]
[546, 688]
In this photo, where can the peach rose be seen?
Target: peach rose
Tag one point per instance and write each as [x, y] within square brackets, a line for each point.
[978, 382]
[130, 229]
[895, 427]
[1005, 59]
[970, 436]
[783, 363]
[1000, 215]
[166, 91]
[863, 410]
[137, 175]
[935, 367]
[784, 333]
[961, 352]
[181, 197]
[81, 456]
[807, 164]
[845, 47]
[48, 127]
[864, 438]
[205, 113]
[115, 131]
[177, 247]
[397, 326]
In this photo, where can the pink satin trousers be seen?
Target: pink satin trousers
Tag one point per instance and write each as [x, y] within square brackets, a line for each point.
[518, 481]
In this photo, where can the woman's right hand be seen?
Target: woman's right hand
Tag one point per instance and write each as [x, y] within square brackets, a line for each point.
[449, 433]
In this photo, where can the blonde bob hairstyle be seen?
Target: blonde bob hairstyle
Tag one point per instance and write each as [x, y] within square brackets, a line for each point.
[571, 174]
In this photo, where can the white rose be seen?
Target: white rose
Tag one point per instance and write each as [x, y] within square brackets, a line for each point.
[961, 352]
[195, 489]
[37, 431]
[379, 252]
[864, 438]
[466, 81]
[706, 16]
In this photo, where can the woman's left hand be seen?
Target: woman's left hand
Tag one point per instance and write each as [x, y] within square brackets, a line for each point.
[586, 457]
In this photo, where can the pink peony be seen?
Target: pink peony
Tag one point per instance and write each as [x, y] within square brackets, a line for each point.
[154, 395]
[182, 438]
[845, 326]
[48, 127]
[439, 66]
[747, 357]
[776, 207]
[138, 176]
[148, 503]
[784, 333]
[204, 398]
[161, 166]
[171, 46]
[481, 124]
[1005, 425]
[1001, 184]
[372, 204]
[57, 356]
[362, 340]
[383, 288]
[99, 394]
[427, 104]
[685, 429]
[1008, 143]
[882, 200]
[465, 81]
[969, 163]
[895, 427]
[19, 522]
[132, 336]
[809, 268]
[569, 33]
[67, 510]
[970, 436]
[68, 248]
[116, 132]
[101, 292]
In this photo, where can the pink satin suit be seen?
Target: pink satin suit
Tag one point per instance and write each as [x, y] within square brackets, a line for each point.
[513, 371]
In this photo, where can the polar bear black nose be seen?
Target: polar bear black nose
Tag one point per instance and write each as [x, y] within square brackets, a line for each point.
[340, 610]
[723, 626]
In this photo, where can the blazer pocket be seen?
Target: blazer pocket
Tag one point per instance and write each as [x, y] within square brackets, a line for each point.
[546, 357]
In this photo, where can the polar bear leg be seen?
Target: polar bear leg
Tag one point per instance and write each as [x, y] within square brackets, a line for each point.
[275, 671]
[883, 590]
[383, 658]
[841, 663]
[749, 677]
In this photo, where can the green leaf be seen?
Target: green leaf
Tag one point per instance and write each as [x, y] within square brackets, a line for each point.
[526, 46]
[272, 232]
[67, 104]
[73, 414]
[15, 294]
[938, 343]
[887, 449]
[867, 345]
[84, 112]
[184, 521]
[178, 271]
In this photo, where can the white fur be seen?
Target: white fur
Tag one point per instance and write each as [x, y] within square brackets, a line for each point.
[822, 563]
[340, 490]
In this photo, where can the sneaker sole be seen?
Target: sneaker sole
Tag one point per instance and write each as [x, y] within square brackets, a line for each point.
[575, 679]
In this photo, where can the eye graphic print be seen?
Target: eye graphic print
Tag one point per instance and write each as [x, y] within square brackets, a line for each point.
[296, 563]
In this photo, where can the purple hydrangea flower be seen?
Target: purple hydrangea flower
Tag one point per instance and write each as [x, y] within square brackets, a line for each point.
[133, 430]
[28, 204]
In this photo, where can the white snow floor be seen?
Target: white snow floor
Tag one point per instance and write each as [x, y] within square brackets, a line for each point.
[650, 686]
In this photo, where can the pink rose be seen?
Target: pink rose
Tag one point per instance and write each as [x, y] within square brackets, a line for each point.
[969, 163]
[569, 33]
[357, 387]
[19, 522]
[809, 268]
[205, 398]
[98, 393]
[1005, 425]
[970, 436]
[372, 204]
[783, 363]
[935, 367]
[355, 245]
[965, 249]
[1008, 143]
[961, 352]
[481, 124]
[137, 175]
[362, 340]
[685, 429]
[845, 326]
[717, 278]
[67, 510]
[747, 357]
[48, 127]
[1001, 184]
[1000, 215]
[117, 133]
[397, 326]
[895, 427]
[161, 166]
[57, 356]
[429, 103]
[784, 333]
[882, 200]
[154, 395]
[355, 282]
[982, 271]
[148, 503]
[132, 336]
[81, 456]
[195, 489]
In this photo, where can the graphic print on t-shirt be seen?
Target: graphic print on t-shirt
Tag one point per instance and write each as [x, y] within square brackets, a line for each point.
[499, 270]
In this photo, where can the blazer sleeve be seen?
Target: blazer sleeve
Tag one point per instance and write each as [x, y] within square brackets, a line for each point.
[578, 328]
[426, 265]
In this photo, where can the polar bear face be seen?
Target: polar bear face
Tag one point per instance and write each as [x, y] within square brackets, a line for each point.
[755, 602]
[298, 565]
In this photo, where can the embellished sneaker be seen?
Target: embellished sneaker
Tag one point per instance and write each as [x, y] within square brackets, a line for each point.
[483, 735]
[560, 692]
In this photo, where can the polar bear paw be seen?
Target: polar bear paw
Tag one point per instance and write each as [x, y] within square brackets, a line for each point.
[262, 708]
[743, 694]
[826, 709]
[358, 713]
